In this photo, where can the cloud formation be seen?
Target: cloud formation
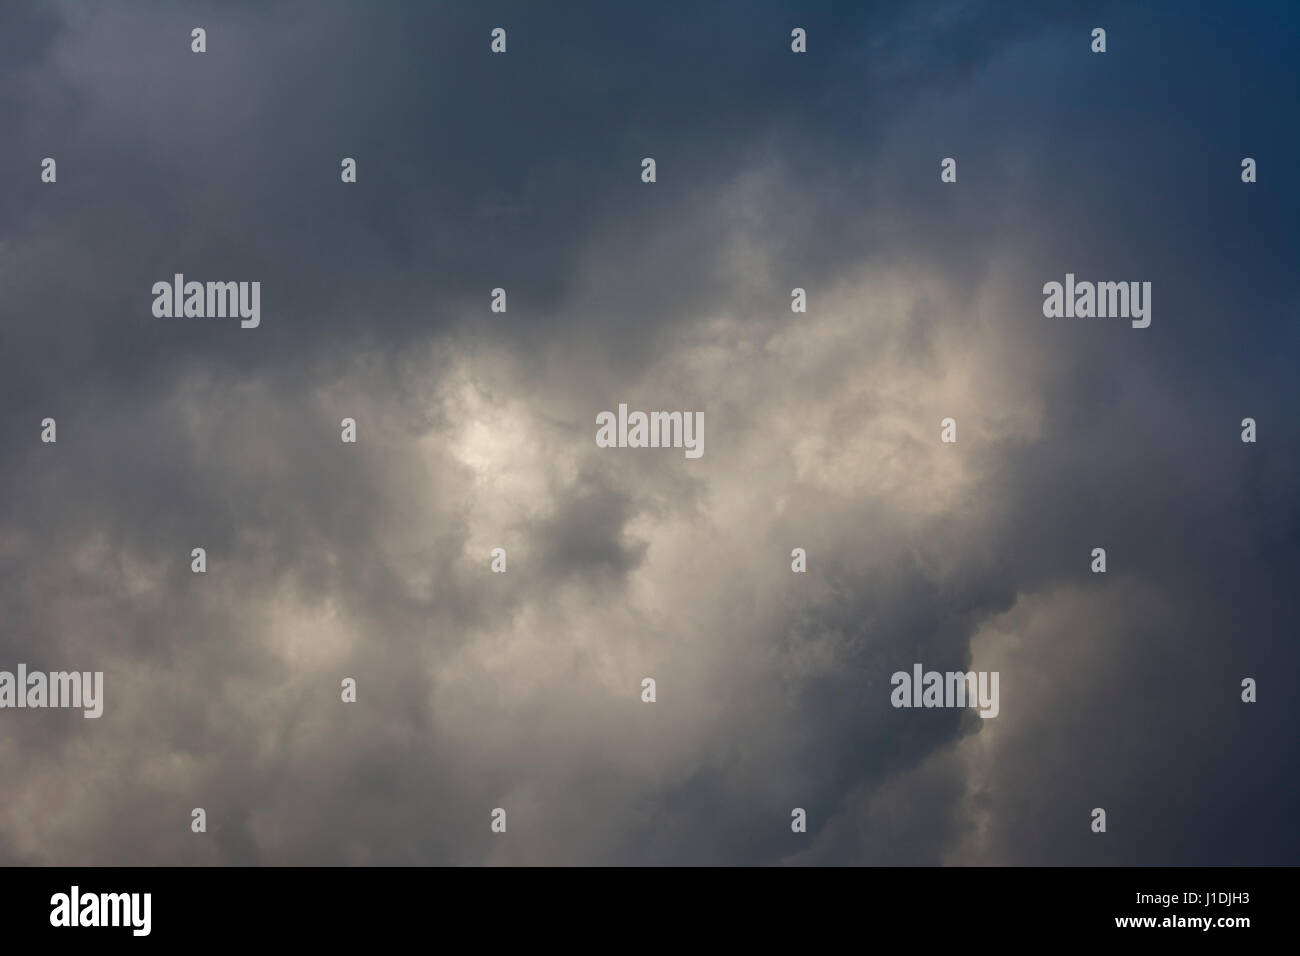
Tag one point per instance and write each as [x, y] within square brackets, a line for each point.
[476, 430]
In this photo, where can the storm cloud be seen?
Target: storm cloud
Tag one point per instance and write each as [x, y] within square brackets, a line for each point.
[476, 431]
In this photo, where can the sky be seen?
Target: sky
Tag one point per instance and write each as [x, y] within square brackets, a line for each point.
[476, 430]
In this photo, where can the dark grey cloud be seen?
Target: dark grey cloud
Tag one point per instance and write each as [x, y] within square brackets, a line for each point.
[521, 690]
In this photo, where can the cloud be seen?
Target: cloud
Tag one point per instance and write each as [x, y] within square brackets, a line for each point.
[476, 430]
